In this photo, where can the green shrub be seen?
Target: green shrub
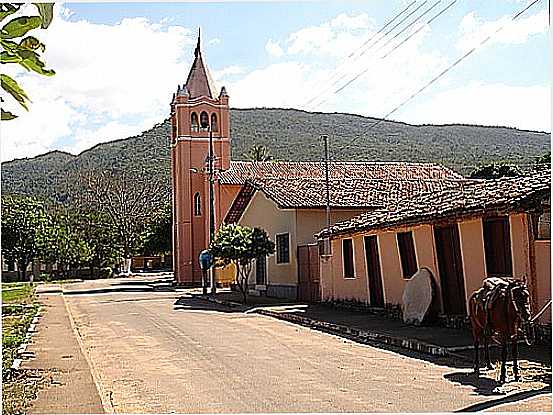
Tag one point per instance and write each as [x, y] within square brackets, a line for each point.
[106, 272]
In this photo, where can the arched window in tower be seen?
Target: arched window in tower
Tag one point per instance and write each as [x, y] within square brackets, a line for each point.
[194, 122]
[214, 125]
[197, 204]
[204, 121]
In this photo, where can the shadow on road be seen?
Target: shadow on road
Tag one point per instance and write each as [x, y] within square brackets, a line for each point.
[515, 397]
[194, 304]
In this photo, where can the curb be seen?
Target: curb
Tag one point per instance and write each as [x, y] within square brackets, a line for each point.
[22, 353]
[360, 334]
[357, 334]
[216, 301]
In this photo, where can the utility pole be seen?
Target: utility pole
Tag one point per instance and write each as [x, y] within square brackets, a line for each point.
[211, 208]
[327, 184]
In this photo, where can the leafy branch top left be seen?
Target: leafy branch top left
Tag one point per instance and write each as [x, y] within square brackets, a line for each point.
[22, 49]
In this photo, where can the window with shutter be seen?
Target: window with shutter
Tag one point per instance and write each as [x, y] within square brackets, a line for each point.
[347, 258]
[283, 248]
[407, 254]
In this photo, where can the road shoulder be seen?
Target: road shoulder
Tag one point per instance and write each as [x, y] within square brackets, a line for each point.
[57, 351]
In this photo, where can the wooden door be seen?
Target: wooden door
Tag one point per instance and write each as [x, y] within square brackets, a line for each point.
[450, 267]
[374, 277]
[261, 270]
[497, 246]
[308, 273]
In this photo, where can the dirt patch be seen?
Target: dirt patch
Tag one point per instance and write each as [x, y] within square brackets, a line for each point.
[20, 388]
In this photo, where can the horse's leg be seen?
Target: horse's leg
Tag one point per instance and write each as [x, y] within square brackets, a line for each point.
[476, 357]
[487, 352]
[503, 359]
[515, 357]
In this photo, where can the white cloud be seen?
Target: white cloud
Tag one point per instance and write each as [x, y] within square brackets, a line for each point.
[295, 82]
[213, 42]
[104, 75]
[473, 29]
[337, 37]
[525, 107]
[278, 85]
[228, 71]
[273, 48]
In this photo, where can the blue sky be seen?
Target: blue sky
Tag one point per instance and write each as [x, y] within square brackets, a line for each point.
[118, 63]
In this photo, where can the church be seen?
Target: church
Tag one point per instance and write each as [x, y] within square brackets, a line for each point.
[287, 199]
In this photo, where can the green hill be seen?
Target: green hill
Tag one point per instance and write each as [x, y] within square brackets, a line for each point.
[290, 135]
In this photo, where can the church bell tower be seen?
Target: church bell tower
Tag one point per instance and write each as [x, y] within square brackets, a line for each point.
[198, 110]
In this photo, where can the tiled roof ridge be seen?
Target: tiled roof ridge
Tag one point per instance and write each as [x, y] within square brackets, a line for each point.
[405, 163]
[528, 186]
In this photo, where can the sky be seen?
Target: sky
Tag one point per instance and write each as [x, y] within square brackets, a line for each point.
[118, 64]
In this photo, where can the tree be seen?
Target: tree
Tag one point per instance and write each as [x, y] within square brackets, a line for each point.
[241, 245]
[21, 49]
[63, 243]
[102, 240]
[24, 222]
[258, 153]
[543, 161]
[160, 233]
[495, 171]
[128, 202]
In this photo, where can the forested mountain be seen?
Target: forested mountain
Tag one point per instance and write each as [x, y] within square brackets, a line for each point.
[289, 135]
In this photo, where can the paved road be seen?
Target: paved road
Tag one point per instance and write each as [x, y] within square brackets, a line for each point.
[150, 355]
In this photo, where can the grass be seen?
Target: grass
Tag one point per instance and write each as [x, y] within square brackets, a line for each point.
[19, 306]
[16, 292]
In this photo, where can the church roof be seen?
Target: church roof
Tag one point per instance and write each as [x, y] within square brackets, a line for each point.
[301, 185]
[240, 171]
[199, 82]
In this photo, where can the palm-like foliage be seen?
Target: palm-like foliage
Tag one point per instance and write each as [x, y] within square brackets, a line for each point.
[258, 153]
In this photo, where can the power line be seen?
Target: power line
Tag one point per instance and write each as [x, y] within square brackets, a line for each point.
[412, 23]
[378, 40]
[420, 28]
[437, 77]
[337, 91]
[337, 70]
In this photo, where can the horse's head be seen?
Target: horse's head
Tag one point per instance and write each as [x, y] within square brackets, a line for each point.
[521, 299]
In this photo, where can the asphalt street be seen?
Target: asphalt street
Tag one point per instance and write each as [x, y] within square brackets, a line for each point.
[151, 354]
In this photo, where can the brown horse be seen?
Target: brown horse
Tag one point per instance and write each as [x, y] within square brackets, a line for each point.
[498, 314]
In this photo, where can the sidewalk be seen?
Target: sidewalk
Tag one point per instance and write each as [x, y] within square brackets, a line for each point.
[57, 352]
[365, 327]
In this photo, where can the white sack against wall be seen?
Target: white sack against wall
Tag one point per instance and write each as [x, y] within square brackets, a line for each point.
[417, 297]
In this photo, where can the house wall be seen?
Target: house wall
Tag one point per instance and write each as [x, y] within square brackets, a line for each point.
[471, 238]
[520, 246]
[393, 282]
[543, 278]
[311, 221]
[261, 212]
[334, 286]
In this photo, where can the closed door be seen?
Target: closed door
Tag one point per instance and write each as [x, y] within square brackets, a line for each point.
[308, 273]
[450, 267]
[376, 293]
[497, 246]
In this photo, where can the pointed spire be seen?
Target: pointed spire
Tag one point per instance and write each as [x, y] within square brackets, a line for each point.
[197, 50]
[199, 82]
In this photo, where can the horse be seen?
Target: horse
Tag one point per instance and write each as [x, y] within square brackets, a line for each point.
[497, 311]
